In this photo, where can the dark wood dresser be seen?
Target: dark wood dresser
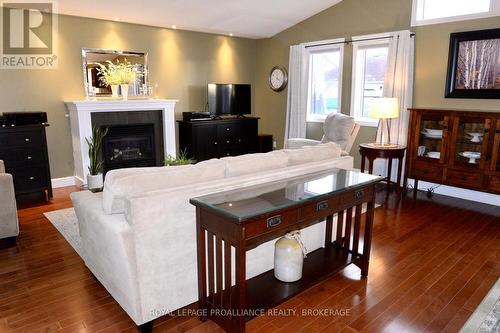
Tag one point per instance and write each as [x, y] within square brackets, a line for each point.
[24, 152]
[206, 139]
[455, 147]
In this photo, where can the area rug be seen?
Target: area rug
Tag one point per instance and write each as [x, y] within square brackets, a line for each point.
[66, 223]
[486, 318]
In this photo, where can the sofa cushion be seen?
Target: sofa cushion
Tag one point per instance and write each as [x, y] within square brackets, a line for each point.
[255, 163]
[137, 182]
[313, 153]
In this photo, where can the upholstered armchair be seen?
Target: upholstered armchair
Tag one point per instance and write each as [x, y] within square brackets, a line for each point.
[337, 128]
[9, 226]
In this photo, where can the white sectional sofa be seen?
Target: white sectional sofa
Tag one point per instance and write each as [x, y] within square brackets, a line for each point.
[139, 235]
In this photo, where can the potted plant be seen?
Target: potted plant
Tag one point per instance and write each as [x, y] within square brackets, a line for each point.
[183, 159]
[94, 178]
[127, 75]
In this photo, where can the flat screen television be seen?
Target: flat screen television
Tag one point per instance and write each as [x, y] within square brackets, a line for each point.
[229, 99]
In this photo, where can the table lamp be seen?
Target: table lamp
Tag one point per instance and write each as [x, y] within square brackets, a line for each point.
[383, 109]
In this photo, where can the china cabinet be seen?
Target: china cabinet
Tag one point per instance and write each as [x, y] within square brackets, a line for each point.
[456, 148]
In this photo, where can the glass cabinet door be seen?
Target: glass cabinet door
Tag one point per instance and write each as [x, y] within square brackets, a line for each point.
[432, 135]
[469, 140]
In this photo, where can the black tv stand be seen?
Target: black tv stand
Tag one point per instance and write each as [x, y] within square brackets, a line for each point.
[220, 137]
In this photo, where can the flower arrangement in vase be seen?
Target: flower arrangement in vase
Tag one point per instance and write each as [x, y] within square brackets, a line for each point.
[121, 73]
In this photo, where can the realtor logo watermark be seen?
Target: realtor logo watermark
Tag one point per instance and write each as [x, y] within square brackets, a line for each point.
[29, 34]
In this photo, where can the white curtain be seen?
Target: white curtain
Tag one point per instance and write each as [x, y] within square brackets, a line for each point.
[399, 84]
[296, 113]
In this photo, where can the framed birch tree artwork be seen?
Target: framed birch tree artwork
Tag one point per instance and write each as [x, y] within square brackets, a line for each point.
[474, 65]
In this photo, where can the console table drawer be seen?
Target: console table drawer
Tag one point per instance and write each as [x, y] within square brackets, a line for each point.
[271, 223]
[319, 209]
[356, 197]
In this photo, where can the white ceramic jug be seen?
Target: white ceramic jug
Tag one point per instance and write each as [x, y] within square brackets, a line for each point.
[289, 254]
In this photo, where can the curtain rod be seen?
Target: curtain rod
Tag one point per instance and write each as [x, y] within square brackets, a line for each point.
[351, 41]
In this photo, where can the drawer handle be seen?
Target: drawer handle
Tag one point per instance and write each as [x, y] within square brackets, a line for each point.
[29, 157]
[227, 129]
[32, 178]
[359, 195]
[27, 140]
[227, 141]
[273, 221]
[215, 142]
[321, 206]
[227, 154]
[239, 140]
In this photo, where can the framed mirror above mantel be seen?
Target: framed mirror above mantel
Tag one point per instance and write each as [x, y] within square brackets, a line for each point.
[93, 59]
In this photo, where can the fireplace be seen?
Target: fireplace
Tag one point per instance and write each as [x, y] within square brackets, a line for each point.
[85, 115]
[127, 146]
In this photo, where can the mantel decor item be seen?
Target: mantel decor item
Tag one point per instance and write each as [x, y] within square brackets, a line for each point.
[289, 254]
[474, 65]
[383, 109]
[95, 178]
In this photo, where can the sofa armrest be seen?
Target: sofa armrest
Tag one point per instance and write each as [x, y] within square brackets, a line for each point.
[300, 143]
[9, 226]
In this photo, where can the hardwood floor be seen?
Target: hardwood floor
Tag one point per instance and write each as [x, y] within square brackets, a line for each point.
[433, 261]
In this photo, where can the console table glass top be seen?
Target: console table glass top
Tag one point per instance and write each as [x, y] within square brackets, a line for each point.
[247, 202]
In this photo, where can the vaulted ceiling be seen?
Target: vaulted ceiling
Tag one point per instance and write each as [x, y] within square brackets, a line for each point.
[245, 18]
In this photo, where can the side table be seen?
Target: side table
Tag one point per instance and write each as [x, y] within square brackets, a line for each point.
[372, 151]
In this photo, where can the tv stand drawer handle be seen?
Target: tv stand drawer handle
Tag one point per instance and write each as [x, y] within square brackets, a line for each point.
[27, 140]
[273, 221]
[32, 178]
[215, 142]
[29, 157]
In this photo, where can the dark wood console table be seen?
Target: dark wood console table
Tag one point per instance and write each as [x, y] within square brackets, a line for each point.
[245, 218]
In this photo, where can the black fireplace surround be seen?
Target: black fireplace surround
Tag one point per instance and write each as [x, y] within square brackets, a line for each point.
[134, 139]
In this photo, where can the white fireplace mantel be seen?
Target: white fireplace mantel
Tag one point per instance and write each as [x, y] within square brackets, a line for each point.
[80, 113]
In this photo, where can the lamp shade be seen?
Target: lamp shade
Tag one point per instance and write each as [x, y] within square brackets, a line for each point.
[384, 108]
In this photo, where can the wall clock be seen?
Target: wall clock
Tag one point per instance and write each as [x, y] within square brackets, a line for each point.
[278, 78]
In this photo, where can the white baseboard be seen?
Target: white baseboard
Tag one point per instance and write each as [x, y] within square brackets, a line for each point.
[62, 182]
[461, 193]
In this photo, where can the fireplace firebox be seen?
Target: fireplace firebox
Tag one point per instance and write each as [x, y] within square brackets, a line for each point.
[126, 146]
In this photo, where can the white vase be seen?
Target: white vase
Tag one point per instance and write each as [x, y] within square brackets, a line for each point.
[114, 90]
[124, 89]
[95, 182]
[289, 254]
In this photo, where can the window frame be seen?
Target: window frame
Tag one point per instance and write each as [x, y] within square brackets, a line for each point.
[415, 21]
[363, 41]
[323, 47]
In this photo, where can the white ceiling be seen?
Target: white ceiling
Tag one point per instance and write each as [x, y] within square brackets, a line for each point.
[245, 18]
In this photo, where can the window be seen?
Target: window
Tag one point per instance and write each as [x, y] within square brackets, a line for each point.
[325, 80]
[370, 60]
[440, 11]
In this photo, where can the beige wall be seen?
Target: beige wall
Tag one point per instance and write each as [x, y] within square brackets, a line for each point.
[181, 62]
[358, 17]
